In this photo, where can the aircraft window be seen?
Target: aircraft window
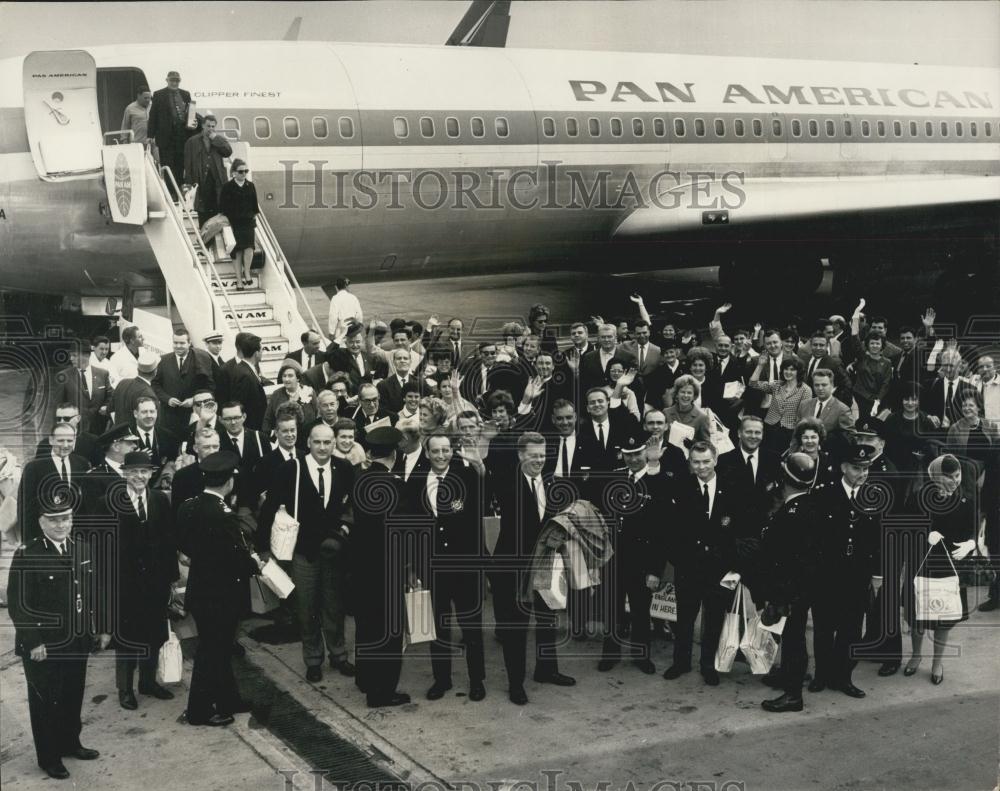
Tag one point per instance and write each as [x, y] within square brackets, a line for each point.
[913, 128]
[699, 127]
[866, 129]
[427, 126]
[796, 127]
[451, 126]
[321, 130]
[231, 122]
[944, 129]
[659, 127]
[973, 129]
[291, 125]
[548, 127]
[637, 127]
[776, 127]
[346, 127]
[813, 128]
[959, 131]
[848, 129]
[758, 128]
[831, 129]
[478, 127]
[616, 127]
[502, 127]
[880, 128]
[987, 129]
[594, 127]
[679, 127]
[400, 126]
[929, 129]
[262, 127]
[572, 128]
[720, 127]
[897, 128]
[739, 127]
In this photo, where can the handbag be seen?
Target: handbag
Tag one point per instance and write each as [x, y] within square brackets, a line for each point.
[719, 434]
[213, 227]
[285, 528]
[262, 598]
[276, 579]
[937, 598]
[170, 664]
[729, 639]
[758, 644]
[419, 616]
[664, 604]
[228, 239]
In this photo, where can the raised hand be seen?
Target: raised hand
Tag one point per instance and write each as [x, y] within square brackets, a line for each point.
[636, 298]
[628, 377]
[724, 308]
[928, 318]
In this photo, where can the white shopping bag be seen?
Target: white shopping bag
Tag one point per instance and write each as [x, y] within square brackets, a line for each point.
[555, 595]
[937, 598]
[228, 239]
[729, 640]
[678, 434]
[285, 527]
[719, 434]
[758, 644]
[170, 665]
[664, 604]
[419, 616]
[276, 579]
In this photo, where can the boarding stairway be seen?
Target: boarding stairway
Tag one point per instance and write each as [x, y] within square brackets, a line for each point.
[200, 275]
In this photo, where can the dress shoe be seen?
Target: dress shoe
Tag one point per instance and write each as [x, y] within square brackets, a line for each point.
[911, 667]
[711, 677]
[645, 665]
[989, 605]
[477, 691]
[238, 649]
[782, 704]
[156, 691]
[517, 696]
[437, 690]
[606, 664]
[559, 679]
[816, 685]
[126, 698]
[56, 770]
[888, 669]
[83, 754]
[775, 680]
[345, 667]
[675, 671]
[395, 699]
[314, 673]
[937, 676]
[215, 721]
[850, 690]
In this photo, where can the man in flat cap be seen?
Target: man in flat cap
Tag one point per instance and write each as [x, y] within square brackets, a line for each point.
[167, 124]
[55, 609]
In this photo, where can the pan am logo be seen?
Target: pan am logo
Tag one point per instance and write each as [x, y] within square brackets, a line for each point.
[123, 185]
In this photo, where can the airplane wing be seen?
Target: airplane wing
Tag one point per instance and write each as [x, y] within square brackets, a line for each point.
[697, 207]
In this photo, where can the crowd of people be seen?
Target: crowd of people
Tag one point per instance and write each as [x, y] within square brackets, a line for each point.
[702, 461]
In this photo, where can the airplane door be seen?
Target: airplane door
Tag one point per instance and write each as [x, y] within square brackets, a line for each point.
[61, 114]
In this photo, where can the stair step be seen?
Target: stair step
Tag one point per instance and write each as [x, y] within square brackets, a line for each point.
[262, 328]
[249, 314]
[229, 280]
[274, 348]
[270, 368]
[251, 298]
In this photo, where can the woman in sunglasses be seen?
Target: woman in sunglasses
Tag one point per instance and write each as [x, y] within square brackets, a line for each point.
[238, 201]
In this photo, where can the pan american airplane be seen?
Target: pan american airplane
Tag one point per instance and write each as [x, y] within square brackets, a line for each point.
[382, 161]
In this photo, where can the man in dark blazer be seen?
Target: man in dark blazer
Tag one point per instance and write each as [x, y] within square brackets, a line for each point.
[213, 347]
[86, 443]
[244, 383]
[370, 411]
[205, 406]
[321, 560]
[524, 507]
[594, 363]
[390, 389]
[159, 444]
[447, 501]
[179, 374]
[942, 398]
[286, 429]
[817, 357]
[129, 391]
[250, 447]
[167, 124]
[604, 432]
[352, 358]
[542, 391]
[726, 370]
[754, 472]
[478, 372]
[662, 378]
[702, 549]
[564, 455]
[89, 388]
[60, 469]
[310, 354]
[189, 481]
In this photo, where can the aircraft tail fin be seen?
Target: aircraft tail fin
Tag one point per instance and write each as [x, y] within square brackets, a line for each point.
[292, 34]
[485, 24]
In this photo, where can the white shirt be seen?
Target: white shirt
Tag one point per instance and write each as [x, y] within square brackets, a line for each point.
[597, 430]
[114, 465]
[637, 476]
[134, 497]
[754, 463]
[313, 467]
[60, 546]
[606, 357]
[344, 306]
[570, 443]
[723, 363]
[539, 488]
[848, 489]
[124, 364]
[712, 485]
[147, 437]
[991, 399]
[288, 455]
[410, 461]
[58, 461]
[105, 366]
[238, 440]
[432, 489]
[359, 358]
[88, 376]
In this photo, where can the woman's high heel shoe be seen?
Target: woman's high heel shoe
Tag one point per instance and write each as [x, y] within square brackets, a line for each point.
[911, 668]
[938, 677]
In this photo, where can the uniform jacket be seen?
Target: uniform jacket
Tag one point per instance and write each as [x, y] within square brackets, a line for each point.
[850, 537]
[639, 524]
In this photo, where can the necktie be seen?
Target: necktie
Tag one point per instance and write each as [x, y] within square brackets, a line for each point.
[538, 502]
[441, 496]
[141, 509]
[854, 498]
[83, 384]
[565, 457]
[600, 434]
[361, 363]
[65, 470]
[180, 363]
[456, 353]
[642, 356]
[819, 408]
[812, 365]
[322, 487]
[149, 440]
[947, 398]
[774, 371]
[753, 479]
[60, 549]
[705, 501]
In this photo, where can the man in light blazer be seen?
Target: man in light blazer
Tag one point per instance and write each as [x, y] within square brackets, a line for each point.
[833, 413]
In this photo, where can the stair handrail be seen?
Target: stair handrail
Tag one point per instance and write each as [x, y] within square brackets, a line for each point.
[289, 273]
[166, 173]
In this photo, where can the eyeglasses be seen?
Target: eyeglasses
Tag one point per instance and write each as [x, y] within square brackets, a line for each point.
[244, 171]
[370, 400]
[204, 403]
[65, 418]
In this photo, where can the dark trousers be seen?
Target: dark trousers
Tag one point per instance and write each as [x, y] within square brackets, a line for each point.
[837, 617]
[694, 593]
[794, 654]
[513, 618]
[463, 589]
[883, 638]
[55, 700]
[172, 155]
[213, 685]
[126, 663]
[378, 641]
[991, 508]
[627, 579]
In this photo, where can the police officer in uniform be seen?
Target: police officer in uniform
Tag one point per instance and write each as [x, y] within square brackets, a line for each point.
[639, 500]
[789, 558]
[217, 591]
[54, 608]
[850, 533]
[380, 573]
